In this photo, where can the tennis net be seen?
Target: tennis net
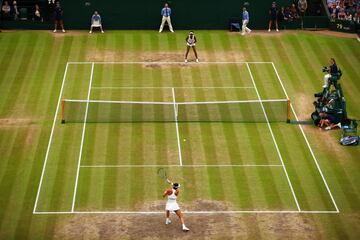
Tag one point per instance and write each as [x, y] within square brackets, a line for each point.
[102, 111]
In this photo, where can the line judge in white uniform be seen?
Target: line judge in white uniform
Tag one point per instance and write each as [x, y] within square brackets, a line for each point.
[165, 13]
[171, 205]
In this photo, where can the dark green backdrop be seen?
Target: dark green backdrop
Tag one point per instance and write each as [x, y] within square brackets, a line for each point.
[145, 14]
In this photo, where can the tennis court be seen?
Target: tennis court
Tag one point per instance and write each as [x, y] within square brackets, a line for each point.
[200, 122]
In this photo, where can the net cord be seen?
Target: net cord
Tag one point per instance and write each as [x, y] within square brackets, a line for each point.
[173, 103]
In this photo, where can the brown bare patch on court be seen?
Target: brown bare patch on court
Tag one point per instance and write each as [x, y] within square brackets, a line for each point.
[158, 59]
[303, 104]
[59, 33]
[15, 122]
[195, 205]
[202, 226]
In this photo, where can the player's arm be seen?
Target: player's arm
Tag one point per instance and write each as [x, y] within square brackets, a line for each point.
[195, 39]
[167, 192]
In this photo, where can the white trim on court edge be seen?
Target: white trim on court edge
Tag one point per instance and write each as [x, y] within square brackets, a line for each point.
[173, 165]
[177, 125]
[50, 139]
[307, 142]
[193, 212]
[174, 62]
[274, 140]
[180, 87]
[172, 103]
[82, 138]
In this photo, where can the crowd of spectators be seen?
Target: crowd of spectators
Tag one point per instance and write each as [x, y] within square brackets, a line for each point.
[298, 8]
[10, 10]
[345, 10]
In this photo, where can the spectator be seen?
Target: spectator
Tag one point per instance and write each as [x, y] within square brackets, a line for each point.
[288, 14]
[245, 21]
[294, 12]
[37, 14]
[191, 42]
[165, 13]
[6, 9]
[281, 15]
[15, 11]
[357, 17]
[341, 15]
[328, 121]
[302, 6]
[348, 16]
[273, 17]
[96, 22]
[58, 16]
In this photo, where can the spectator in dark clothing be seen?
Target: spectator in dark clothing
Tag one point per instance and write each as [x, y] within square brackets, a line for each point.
[333, 67]
[273, 16]
[58, 16]
[288, 15]
[37, 14]
[5, 10]
[294, 11]
[281, 15]
[15, 11]
[328, 121]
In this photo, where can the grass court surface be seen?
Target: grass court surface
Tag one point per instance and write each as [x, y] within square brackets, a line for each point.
[52, 173]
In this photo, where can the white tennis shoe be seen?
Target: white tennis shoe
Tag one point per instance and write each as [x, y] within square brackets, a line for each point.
[168, 221]
[185, 229]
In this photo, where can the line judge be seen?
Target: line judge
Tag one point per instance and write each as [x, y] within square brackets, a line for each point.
[165, 13]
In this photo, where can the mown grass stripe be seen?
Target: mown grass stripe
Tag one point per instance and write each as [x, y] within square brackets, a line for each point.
[14, 68]
[32, 132]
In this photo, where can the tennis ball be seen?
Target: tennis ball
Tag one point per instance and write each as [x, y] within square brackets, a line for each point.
[184, 140]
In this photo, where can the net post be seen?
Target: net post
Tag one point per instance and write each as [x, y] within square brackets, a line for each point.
[62, 111]
[288, 111]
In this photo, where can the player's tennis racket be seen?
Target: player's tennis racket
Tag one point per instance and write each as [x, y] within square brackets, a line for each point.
[163, 175]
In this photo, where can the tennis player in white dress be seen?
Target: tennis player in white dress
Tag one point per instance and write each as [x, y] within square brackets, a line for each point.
[190, 43]
[171, 205]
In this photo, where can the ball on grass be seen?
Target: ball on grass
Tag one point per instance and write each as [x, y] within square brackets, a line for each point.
[184, 140]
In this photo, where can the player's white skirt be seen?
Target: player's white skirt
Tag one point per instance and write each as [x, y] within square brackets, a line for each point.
[96, 24]
[191, 44]
[172, 206]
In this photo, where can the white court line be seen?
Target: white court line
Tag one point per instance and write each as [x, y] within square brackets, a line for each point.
[174, 62]
[182, 87]
[172, 103]
[274, 140]
[193, 212]
[50, 139]
[188, 166]
[177, 126]
[82, 139]
[307, 142]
